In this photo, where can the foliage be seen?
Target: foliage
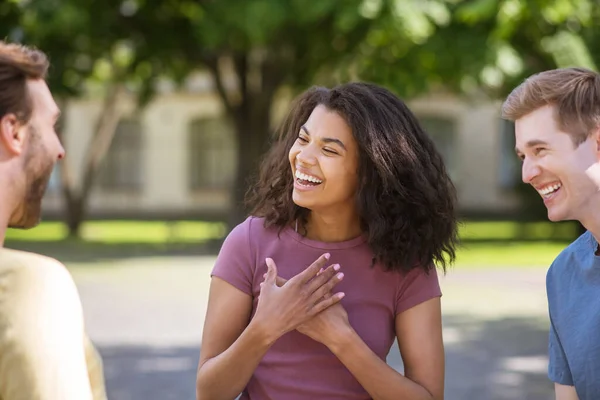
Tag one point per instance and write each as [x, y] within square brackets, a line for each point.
[255, 49]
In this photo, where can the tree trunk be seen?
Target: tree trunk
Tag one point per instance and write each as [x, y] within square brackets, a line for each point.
[249, 105]
[75, 198]
[74, 217]
[252, 132]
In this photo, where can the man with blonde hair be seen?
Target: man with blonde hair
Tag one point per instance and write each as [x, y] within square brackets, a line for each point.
[44, 352]
[557, 129]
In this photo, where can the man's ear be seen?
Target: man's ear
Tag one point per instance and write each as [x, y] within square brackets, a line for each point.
[593, 172]
[12, 134]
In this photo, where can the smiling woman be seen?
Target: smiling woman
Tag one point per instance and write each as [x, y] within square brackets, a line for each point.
[352, 211]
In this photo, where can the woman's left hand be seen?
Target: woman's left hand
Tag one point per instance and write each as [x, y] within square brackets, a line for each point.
[327, 326]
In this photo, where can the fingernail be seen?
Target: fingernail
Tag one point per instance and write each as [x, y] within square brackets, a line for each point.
[340, 275]
[341, 295]
[336, 267]
[327, 255]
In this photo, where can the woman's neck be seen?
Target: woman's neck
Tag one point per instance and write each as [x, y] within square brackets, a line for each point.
[332, 228]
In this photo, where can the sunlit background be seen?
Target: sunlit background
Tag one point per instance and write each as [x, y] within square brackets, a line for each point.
[168, 105]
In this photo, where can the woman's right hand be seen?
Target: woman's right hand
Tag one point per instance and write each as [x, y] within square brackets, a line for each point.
[283, 309]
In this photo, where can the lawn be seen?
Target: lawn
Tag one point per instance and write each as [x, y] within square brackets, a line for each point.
[484, 244]
[120, 232]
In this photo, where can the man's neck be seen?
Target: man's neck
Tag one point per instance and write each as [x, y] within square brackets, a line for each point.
[592, 224]
[6, 206]
[7, 197]
[3, 227]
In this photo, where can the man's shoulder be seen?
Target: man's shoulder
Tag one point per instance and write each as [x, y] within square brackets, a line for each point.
[26, 273]
[11, 256]
[578, 253]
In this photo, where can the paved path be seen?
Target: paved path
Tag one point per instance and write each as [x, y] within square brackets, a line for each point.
[146, 316]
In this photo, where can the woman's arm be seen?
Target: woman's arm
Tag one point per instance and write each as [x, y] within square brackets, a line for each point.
[231, 348]
[419, 333]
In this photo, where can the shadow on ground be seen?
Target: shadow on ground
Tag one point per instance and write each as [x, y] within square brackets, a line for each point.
[485, 360]
[134, 373]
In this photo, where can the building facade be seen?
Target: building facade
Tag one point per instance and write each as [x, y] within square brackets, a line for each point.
[176, 157]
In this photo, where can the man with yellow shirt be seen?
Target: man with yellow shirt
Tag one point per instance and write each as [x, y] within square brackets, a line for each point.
[44, 351]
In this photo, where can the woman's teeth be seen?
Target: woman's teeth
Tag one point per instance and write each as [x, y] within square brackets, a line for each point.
[304, 177]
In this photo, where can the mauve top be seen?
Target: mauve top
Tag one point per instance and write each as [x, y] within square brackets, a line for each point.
[297, 367]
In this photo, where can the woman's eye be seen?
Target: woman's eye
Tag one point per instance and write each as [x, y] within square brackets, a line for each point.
[303, 140]
[330, 151]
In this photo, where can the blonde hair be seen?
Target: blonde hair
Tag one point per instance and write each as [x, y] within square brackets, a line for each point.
[574, 93]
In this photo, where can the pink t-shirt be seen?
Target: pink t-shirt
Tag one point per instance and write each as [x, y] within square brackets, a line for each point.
[297, 367]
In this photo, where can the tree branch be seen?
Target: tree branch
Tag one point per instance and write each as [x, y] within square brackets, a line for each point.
[212, 63]
[104, 132]
[240, 63]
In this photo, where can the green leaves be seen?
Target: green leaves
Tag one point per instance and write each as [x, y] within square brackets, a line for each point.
[409, 45]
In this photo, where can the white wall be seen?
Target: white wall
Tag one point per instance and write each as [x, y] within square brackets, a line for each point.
[165, 153]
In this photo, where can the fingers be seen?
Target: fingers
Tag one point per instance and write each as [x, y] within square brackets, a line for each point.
[326, 303]
[279, 280]
[325, 289]
[312, 270]
[271, 272]
[322, 278]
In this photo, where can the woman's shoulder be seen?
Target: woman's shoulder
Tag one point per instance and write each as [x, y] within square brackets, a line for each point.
[252, 228]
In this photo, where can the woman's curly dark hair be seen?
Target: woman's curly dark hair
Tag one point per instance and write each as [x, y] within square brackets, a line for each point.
[406, 200]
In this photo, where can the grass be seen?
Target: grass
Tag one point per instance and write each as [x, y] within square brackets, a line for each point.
[485, 244]
[512, 244]
[514, 230]
[122, 232]
[508, 254]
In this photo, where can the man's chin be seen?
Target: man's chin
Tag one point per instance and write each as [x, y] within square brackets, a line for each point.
[557, 216]
[30, 220]
[25, 226]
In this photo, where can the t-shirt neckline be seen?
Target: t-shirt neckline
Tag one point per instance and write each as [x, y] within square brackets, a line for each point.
[346, 244]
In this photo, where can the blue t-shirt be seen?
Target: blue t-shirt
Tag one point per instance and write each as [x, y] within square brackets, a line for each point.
[573, 287]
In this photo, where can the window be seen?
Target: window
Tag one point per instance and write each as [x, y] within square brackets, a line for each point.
[443, 132]
[212, 154]
[121, 169]
[509, 169]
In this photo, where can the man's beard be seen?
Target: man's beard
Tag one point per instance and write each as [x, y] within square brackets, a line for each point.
[38, 168]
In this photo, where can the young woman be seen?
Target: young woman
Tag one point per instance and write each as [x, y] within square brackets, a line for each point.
[354, 183]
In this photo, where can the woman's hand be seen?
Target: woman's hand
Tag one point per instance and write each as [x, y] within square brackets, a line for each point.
[283, 309]
[328, 325]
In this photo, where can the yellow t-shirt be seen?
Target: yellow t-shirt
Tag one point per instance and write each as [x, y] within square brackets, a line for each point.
[44, 351]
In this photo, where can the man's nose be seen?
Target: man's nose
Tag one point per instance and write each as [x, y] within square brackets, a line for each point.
[61, 152]
[529, 171]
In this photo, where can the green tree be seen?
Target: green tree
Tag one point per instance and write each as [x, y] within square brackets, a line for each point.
[518, 38]
[256, 48]
[92, 53]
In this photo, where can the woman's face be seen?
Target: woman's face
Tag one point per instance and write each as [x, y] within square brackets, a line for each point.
[324, 161]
